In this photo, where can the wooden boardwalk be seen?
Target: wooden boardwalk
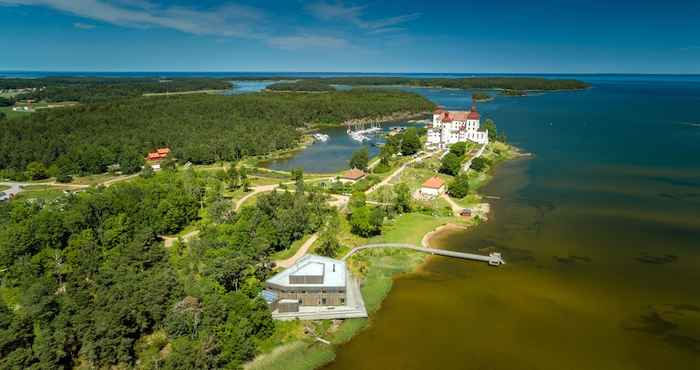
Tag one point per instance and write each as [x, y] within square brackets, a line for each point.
[493, 259]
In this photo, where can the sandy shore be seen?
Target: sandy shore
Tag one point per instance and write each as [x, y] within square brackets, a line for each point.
[425, 242]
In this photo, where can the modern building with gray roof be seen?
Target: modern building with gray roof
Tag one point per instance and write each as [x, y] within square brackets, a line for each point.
[314, 282]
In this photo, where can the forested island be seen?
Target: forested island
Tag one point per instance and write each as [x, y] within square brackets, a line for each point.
[479, 96]
[98, 89]
[301, 86]
[199, 128]
[511, 92]
[505, 83]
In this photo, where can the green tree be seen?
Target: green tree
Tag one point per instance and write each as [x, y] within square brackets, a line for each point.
[131, 162]
[450, 164]
[328, 240]
[411, 142]
[376, 220]
[233, 177]
[147, 172]
[298, 177]
[479, 164]
[168, 164]
[36, 171]
[357, 200]
[458, 149]
[490, 126]
[402, 198]
[459, 186]
[245, 182]
[360, 222]
[360, 159]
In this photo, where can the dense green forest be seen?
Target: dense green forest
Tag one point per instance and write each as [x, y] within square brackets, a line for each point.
[198, 128]
[301, 86]
[96, 89]
[513, 83]
[86, 281]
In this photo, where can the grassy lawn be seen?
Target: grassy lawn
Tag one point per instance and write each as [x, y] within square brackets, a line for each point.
[93, 179]
[45, 192]
[4, 187]
[9, 113]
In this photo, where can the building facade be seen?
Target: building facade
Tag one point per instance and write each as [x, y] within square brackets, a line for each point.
[449, 127]
[433, 187]
[312, 281]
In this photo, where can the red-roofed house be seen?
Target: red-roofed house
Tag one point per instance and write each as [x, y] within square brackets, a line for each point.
[432, 187]
[156, 156]
[353, 175]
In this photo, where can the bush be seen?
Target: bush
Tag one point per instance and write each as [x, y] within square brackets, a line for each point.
[450, 164]
[459, 187]
[360, 159]
[64, 178]
[381, 168]
[479, 164]
[459, 149]
[36, 171]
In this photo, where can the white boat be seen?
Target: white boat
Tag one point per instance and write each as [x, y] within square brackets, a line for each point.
[358, 137]
[320, 137]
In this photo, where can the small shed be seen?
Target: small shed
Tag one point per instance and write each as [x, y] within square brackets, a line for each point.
[432, 187]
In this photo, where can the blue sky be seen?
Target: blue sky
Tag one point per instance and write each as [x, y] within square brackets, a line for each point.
[577, 36]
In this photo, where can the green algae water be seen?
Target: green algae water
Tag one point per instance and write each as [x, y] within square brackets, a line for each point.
[601, 231]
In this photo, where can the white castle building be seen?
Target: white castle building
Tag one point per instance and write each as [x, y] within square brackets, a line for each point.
[449, 127]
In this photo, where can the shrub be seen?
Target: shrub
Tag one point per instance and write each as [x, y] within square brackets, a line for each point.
[459, 187]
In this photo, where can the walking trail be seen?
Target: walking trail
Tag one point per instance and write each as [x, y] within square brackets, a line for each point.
[397, 172]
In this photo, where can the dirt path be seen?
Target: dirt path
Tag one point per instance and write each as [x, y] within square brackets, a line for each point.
[300, 253]
[456, 208]
[170, 240]
[397, 172]
[266, 188]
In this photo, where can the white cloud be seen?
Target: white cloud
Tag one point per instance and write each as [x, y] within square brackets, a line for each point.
[83, 26]
[307, 42]
[228, 20]
[355, 15]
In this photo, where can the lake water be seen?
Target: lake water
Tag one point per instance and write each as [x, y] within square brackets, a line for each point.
[601, 231]
[333, 155]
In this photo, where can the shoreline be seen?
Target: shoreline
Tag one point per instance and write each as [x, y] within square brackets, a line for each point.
[392, 117]
[377, 270]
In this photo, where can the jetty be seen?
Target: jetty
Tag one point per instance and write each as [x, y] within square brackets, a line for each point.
[493, 259]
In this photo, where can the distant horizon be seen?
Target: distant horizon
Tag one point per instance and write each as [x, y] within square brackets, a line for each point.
[280, 72]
